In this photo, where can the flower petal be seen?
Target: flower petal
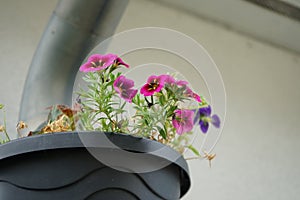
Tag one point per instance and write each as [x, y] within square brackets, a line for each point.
[205, 111]
[169, 79]
[154, 84]
[123, 87]
[181, 83]
[87, 67]
[97, 62]
[197, 97]
[128, 95]
[215, 120]
[119, 61]
[124, 82]
[203, 126]
[145, 90]
[183, 121]
[175, 123]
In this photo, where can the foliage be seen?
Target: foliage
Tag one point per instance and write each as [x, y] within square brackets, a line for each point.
[165, 109]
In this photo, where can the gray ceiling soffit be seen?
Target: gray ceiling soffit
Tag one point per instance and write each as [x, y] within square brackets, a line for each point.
[281, 7]
[247, 18]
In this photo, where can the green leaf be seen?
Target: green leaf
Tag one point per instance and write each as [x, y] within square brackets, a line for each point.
[103, 123]
[138, 99]
[3, 141]
[118, 74]
[112, 76]
[161, 100]
[194, 150]
[122, 106]
[171, 111]
[146, 122]
[162, 132]
[1, 106]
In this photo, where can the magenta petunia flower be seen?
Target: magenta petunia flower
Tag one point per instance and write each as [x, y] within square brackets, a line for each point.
[119, 61]
[98, 62]
[169, 79]
[181, 83]
[183, 121]
[197, 97]
[154, 84]
[189, 93]
[123, 86]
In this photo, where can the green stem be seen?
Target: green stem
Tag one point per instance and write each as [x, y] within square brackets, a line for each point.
[108, 117]
[4, 121]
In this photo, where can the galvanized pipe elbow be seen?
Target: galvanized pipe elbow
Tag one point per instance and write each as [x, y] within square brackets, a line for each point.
[74, 28]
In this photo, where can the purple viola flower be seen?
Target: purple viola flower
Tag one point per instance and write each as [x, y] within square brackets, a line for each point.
[154, 84]
[203, 117]
[123, 87]
[98, 62]
[183, 121]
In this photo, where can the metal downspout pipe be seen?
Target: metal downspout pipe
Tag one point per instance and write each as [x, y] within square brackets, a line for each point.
[75, 27]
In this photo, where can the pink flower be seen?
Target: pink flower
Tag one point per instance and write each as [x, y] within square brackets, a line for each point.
[190, 93]
[98, 62]
[197, 97]
[181, 83]
[123, 86]
[183, 121]
[169, 79]
[154, 84]
[119, 61]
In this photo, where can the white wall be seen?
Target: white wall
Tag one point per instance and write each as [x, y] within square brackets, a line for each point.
[257, 156]
[21, 26]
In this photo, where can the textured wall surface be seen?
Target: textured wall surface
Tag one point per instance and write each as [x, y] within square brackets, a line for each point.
[257, 153]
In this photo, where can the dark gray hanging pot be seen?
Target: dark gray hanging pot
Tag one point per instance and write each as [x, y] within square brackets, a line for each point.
[91, 165]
